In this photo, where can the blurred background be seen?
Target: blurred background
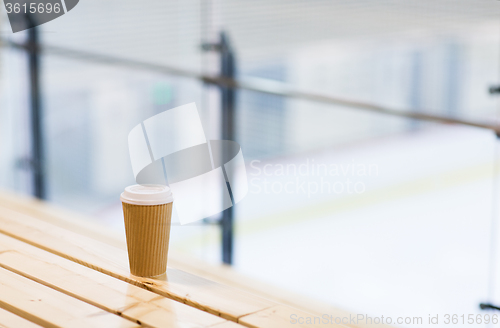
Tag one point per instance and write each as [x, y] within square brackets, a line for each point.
[369, 212]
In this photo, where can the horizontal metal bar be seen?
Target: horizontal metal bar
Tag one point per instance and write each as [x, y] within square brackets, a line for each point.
[257, 85]
[282, 89]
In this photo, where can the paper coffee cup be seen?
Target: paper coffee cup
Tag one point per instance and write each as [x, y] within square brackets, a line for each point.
[147, 210]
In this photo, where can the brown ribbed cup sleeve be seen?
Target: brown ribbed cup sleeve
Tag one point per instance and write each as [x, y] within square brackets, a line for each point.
[148, 232]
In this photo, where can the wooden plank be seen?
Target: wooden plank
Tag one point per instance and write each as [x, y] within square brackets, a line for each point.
[10, 320]
[284, 316]
[165, 312]
[227, 324]
[227, 276]
[50, 308]
[96, 288]
[221, 274]
[203, 294]
[55, 215]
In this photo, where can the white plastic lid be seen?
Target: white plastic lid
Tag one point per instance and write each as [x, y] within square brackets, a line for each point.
[147, 195]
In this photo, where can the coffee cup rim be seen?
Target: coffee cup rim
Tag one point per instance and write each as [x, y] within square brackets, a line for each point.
[147, 194]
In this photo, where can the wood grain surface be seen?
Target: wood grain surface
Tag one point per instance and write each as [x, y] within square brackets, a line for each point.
[98, 289]
[10, 320]
[34, 240]
[195, 291]
[50, 308]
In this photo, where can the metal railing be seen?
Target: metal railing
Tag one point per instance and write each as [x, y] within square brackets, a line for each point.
[255, 84]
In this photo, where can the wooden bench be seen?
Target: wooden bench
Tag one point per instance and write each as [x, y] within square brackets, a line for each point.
[52, 276]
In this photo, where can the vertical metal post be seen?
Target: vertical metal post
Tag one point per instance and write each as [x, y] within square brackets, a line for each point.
[228, 122]
[33, 46]
[452, 84]
[227, 70]
[416, 87]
